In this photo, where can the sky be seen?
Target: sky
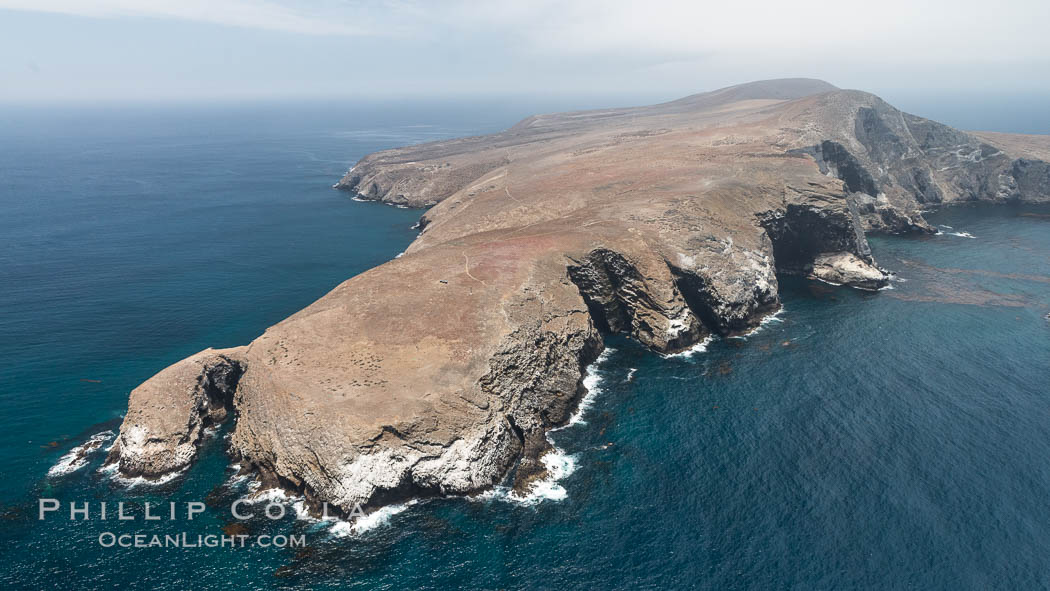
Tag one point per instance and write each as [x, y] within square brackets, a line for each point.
[208, 50]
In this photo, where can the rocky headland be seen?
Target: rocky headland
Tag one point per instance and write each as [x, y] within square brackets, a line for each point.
[441, 371]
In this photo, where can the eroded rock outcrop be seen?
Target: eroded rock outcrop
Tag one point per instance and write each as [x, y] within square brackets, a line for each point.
[648, 305]
[846, 268]
[167, 414]
[441, 371]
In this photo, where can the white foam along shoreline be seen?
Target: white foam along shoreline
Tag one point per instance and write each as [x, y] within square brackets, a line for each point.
[132, 482]
[558, 462]
[80, 456]
[336, 526]
[371, 521]
[767, 320]
[591, 382]
[697, 348]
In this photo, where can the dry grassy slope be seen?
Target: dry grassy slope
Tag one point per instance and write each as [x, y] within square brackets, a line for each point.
[439, 371]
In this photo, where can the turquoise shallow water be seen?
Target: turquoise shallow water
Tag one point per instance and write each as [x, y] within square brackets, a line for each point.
[894, 440]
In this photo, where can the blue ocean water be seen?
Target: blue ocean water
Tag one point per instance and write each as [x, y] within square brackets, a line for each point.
[890, 440]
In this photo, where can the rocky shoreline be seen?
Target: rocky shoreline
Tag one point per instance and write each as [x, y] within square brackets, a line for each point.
[440, 372]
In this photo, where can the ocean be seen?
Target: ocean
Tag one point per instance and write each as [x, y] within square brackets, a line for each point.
[889, 440]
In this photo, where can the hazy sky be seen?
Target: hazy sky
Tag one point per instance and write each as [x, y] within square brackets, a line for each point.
[88, 50]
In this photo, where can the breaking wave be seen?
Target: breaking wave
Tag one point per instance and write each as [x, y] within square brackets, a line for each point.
[768, 319]
[559, 463]
[79, 456]
[371, 521]
[697, 348]
[592, 383]
[953, 233]
[133, 481]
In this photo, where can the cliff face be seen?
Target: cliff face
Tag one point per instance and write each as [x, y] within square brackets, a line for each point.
[440, 371]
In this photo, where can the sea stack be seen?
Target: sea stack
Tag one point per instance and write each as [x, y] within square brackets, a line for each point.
[440, 372]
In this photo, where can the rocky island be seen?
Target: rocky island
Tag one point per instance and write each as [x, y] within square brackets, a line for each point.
[441, 371]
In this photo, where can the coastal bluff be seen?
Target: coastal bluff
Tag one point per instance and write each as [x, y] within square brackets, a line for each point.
[440, 372]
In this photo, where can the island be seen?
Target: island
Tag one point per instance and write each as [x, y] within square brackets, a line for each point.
[440, 372]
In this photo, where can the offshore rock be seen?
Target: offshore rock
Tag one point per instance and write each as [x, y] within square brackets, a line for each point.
[441, 371]
[846, 268]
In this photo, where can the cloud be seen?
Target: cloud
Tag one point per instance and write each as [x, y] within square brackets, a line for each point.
[932, 31]
[945, 30]
[428, 47]
[253, 14]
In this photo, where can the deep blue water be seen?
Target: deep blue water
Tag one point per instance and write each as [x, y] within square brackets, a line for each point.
[897, 440]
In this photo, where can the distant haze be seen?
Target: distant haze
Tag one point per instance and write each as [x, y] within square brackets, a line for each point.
[177, 50]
